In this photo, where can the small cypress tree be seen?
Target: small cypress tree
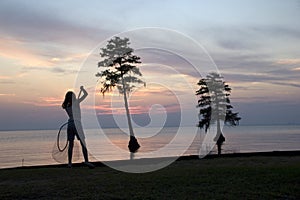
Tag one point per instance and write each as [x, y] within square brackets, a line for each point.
[215, 106]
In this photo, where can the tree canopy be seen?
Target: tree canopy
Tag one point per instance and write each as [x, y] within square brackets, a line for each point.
[214, 102]
[119, 66]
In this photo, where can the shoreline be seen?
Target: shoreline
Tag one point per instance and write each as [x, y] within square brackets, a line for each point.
[56, 128]
[157, 160]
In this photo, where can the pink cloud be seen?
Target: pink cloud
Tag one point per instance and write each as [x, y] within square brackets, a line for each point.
[17, 50]
[289, 61]
[45, 102]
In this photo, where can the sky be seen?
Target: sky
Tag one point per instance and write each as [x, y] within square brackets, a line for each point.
[46, 46]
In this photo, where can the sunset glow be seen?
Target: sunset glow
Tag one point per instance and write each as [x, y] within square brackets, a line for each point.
[254, 44]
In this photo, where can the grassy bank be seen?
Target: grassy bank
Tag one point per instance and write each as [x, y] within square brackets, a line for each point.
[253, 177]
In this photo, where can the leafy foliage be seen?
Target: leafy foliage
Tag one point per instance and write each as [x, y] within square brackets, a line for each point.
[214, 102]
[119, 65]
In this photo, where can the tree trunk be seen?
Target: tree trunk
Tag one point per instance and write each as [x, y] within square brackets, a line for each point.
[220, 141]
[219, 149]
[133, 145]
[219, 138]
[127, 109]
[219, 133]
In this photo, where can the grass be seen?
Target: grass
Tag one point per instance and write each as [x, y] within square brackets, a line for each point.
[257, 177]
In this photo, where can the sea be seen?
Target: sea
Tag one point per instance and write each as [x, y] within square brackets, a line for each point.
[40, 147]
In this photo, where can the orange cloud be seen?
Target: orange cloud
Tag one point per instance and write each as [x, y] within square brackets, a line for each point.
[107, 109]
[7, 94]
[5, 77]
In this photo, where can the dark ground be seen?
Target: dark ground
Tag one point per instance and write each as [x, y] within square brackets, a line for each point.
[239, 176]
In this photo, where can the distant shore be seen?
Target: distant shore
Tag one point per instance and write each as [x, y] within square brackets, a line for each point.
[186, 157]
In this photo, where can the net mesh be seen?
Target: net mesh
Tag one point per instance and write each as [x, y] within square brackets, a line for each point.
[61, 146]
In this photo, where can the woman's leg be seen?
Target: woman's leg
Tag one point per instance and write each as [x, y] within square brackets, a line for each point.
[84, 150]
[70, 151]
[85, 155]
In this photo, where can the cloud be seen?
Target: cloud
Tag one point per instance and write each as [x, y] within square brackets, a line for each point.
[277, 31]
[33, 36]
[45, 102]
[263, 38]
[17, 50]
[27, 54]
[7, 82]
[250, 77]
[297, 85]
[4, 77]
[20, 20]
[284, 78]
[135, 110]
[234, 44]
[296, 69]
[288, 61]
[250, 67]
[1, 94]
[56, 70]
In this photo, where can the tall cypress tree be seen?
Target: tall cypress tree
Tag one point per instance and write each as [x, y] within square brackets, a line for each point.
[118, 69]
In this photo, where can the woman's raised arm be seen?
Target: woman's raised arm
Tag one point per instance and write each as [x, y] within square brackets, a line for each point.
[85, 94]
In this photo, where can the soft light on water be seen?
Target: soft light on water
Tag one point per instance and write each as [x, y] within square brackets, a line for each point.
[30, 148]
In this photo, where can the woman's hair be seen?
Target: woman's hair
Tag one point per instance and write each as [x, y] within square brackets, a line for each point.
[70, 96]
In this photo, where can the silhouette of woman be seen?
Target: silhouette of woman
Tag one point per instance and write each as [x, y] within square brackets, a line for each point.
[72, 107]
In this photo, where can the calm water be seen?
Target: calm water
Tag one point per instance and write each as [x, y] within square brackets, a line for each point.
[27, 148]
